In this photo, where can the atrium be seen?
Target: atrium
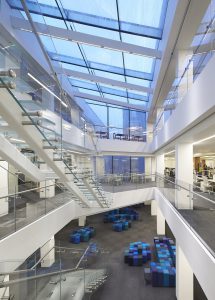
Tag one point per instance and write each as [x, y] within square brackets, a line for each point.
[107, 149]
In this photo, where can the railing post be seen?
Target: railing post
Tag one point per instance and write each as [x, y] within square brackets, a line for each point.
[45, 198]
[14, 208]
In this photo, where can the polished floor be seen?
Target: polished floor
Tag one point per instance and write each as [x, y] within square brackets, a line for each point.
[124, 282]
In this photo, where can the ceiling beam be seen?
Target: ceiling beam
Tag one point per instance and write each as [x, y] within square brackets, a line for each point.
[85, 96]
[99, 79]
[84, 38]
[99, 66]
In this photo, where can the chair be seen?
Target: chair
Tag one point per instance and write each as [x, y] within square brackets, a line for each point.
[205, 185]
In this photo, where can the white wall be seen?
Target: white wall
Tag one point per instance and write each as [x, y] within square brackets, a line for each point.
[197, 105]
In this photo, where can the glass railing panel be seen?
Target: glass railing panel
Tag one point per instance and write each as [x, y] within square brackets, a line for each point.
[137, 134]
[194, 206]
[29, 203]
[125, 182]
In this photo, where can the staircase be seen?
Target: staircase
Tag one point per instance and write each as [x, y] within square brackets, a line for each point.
[78, 179]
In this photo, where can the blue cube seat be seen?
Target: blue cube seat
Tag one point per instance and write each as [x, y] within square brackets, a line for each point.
[163, 271]
[75, 238]
[137, 254]
[82, 235]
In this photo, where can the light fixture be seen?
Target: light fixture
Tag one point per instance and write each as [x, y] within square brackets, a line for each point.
[67, 127]
[200, 141]
[47, 89]
[17, 140]
[169, 152]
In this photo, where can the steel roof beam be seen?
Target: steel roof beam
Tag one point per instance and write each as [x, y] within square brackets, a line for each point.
[99, 79]
[86, 96]
[84, 38]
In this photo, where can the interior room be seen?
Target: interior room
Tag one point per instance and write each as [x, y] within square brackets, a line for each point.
[107, 149]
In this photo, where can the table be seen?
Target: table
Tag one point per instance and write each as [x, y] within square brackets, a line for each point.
[102, 134]
[120, 136]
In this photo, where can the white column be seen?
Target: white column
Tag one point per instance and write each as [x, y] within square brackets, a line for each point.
[184, 174]
[48, 190]
[153, 168]
[4, 291]
[100, 166]
[48, 186]
[82, 221]
[184, 276]
[48, 252]
[149, 136]
[150, 167]
[160, 222]
[160, 164]
[153, 208]
[3, 188]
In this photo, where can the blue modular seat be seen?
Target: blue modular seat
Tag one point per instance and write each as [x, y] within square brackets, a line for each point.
[84, 234]
[163, 271]
[117, 227]
[125, 213]
[75, 238]
[137, 254]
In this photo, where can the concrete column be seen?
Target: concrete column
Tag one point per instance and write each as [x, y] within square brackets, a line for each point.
[48, 252]
[100, 166]
[82, 221]
[150, 167]
[4, 291]
[3, 188]
[184, 174]
[153, 208]
[183, 57]
[48, 190]
[160, 222]
[149, 136]
[48, 186]
[160, 164]
[184, 276]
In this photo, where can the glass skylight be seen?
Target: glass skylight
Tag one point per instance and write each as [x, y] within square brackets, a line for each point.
[138, 22]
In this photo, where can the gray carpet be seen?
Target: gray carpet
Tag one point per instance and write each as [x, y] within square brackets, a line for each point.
[124, 282]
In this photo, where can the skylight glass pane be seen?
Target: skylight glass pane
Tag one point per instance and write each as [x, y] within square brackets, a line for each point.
[106, 56]
[75, 68]
[102, 8]
[62, 47]
[136, 102]
[101, 32]
[139, 40]
[90, 92]
[110, 75]
[101, 112]
[138, 63]
[138, 81]
[117, 98]
[144, 12]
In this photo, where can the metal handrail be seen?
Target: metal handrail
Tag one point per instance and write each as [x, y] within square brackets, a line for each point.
[30, 190]
[178, 185]
[8, 283]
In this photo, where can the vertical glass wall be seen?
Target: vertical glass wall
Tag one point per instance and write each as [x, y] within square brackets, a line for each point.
[129, 123]
[124, 164]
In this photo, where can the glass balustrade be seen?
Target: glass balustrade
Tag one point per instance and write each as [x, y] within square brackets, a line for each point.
[28, 203]
[61, 273]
